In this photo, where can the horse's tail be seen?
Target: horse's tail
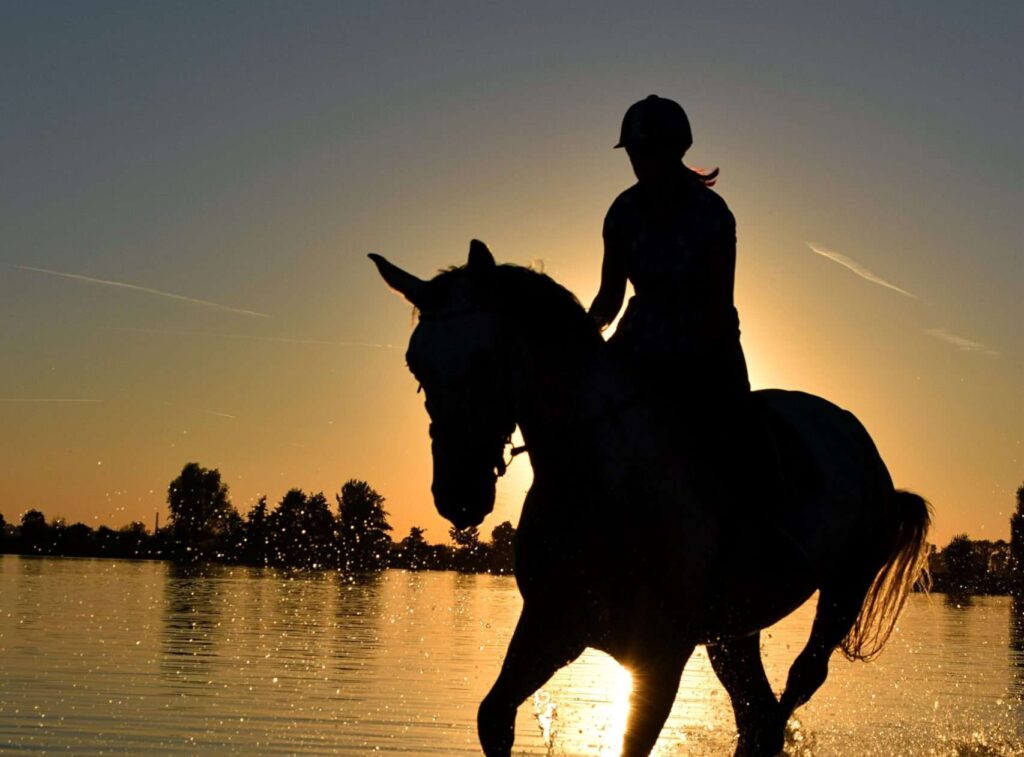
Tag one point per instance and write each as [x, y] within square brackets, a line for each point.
[907, 565]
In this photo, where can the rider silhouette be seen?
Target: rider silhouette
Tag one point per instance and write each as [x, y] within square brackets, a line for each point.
[674, 239]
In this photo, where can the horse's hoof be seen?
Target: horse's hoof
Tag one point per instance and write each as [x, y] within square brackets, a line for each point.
[766, 740]
[761, 748]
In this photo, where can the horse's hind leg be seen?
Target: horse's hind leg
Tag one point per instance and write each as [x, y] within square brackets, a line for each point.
[539, 647]
[838, 607]
[759, 721]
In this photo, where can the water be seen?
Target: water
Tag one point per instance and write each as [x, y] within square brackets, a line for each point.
[111, 657]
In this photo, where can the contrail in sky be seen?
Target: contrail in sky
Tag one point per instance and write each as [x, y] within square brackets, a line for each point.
[93, 401]
[45, 399]
[858, 269]
[201, 410]
[968, 345]
[255, 337]
[137, 288]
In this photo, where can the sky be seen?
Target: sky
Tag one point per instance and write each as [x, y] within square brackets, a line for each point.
[189, 191]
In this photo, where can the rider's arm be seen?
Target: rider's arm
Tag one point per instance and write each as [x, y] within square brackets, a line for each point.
[608, 302]
[724, 257]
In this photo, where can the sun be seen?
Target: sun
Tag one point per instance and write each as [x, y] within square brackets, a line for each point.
[620, 689]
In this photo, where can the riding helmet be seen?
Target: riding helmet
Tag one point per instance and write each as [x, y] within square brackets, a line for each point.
[656, 120]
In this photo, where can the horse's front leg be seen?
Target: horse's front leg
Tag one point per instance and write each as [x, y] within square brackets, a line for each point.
[656, 676]
[541, 644]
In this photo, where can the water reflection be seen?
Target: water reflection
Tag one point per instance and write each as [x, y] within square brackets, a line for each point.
[1017, 627]
[958, 601]
[1017, 646]
[356, 635]
[29, 566]
[191, 624]
[24, 601]
[144, 658]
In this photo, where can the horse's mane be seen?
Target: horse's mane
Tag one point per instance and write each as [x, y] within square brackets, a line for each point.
[534, 301]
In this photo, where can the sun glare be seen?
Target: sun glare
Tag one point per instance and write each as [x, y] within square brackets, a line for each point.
[621, 687]
[593, 695]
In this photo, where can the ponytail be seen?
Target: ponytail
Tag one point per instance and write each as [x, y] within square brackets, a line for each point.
[707, 178]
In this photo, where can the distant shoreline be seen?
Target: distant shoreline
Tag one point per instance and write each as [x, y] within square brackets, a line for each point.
[942, 589]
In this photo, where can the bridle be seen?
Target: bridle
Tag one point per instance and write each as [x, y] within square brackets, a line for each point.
[502, 465]
[438, 427]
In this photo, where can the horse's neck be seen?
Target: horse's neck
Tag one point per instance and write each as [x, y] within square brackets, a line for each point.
[562, 397]
[600, 457]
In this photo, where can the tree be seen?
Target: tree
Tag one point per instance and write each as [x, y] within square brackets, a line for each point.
[973, 567]
[502, 539]
[106, 541]
[413, 552]
[133, 540]
[1017, 546]
[961, 573]
[35, 534]
[199, 505]
[231, 539]
[74, 540]
[257, 534]
[3, 529]
[470, 554]
[364, 526]
[302, 531]
[465, 538]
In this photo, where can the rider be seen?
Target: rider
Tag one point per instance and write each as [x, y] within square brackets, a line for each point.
[674, 239]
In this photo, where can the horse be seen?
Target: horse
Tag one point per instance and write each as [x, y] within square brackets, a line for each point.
[619, 546]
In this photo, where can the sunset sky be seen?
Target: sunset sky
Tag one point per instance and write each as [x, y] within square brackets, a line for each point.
[188, 192]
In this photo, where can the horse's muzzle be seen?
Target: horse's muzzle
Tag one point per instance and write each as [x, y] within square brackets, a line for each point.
[465, 501]
[464, 478]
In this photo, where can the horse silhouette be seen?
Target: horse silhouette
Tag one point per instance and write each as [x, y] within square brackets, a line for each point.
[618, 546]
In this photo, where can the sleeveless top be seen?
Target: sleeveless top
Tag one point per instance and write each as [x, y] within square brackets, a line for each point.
[680, 249]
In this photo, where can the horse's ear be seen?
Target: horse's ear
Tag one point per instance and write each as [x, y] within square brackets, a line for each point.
[404, 283]
[480, 258]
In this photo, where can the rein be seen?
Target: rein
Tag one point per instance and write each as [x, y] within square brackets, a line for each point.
[607, 412]
[503, 464]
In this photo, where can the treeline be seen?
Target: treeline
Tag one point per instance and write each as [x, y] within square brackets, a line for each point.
[301, 531]
[973, 566]
[979, 566]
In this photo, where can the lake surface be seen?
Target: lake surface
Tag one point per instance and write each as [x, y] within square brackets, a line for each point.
[112, 657]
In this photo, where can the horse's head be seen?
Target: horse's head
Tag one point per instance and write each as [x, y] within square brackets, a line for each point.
[456, 353]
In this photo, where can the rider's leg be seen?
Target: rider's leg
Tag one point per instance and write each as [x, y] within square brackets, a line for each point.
[537, 650]
[738, 665]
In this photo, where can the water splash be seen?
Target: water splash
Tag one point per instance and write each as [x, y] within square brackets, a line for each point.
[800, 742]
[983, 745]
[545, 710]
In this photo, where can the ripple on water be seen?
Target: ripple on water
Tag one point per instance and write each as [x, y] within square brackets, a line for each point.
[101, 656]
